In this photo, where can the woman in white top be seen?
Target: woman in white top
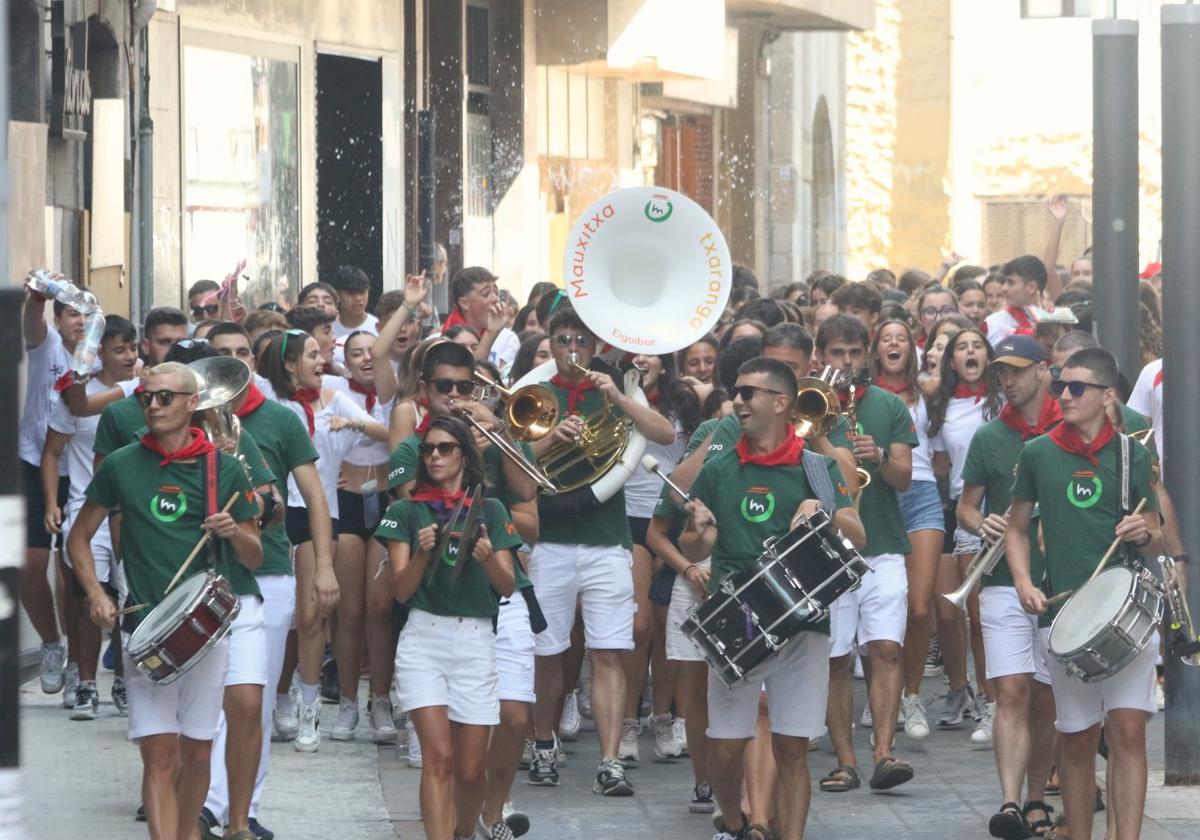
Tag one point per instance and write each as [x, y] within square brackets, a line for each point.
[893, 362]
[292, 366]
[965, 399]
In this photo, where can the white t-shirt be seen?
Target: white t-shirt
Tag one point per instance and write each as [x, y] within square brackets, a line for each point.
[366, 452]
[1001, 324]
[1146, 400]
[341, 333]
[643, 487]
[922, 454]
[44, 365]
[77, 454]
[963, 417]
[504, 349]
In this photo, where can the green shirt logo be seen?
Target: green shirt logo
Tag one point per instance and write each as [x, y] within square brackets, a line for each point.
[168, 504]
[758, 504]
[1084, 489]
[658, 209]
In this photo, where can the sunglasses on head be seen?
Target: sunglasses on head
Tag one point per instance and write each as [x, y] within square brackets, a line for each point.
[445, 386]
[163, 396]
[207, 311]
[565, 340]
[444, 448]
[1077, 388]
[747, 392]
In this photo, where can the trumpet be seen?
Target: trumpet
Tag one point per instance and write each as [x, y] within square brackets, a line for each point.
[1184, 641]
[531, 412]
[508, 450]
[817, 406]
[983, 563]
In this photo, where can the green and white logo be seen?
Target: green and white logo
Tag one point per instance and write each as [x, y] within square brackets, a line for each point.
[758, 504]
[658, 208]
[167, 506]
[1084, 489]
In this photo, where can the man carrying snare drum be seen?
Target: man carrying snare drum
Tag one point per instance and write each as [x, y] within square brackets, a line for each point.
[756, 490]
[1073, 475]
[159, 485]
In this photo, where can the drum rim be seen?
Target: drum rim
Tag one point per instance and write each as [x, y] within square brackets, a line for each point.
[210, 576]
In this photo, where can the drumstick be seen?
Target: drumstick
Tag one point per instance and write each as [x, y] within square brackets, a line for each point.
[127, 610]
[199, 546]
[650, 464]
[1099, 566]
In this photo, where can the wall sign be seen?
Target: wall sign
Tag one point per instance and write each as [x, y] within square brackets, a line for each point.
[70, 87]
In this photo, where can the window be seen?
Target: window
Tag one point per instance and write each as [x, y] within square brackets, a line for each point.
[1056, 8]
[571, 114]
[1015, 225]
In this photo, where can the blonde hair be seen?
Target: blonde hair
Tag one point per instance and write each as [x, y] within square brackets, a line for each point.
[191, 382]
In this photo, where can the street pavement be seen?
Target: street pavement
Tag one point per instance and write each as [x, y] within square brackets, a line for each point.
[82, 779]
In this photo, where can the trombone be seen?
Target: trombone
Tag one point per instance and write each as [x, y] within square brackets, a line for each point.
[507, 449]
[531, 412]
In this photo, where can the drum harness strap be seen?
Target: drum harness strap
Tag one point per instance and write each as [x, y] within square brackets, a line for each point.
[1128, 556]
[212, 549]
[816, 470]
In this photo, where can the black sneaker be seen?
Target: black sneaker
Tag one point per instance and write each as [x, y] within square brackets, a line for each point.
[610, 779]
[87, 702]
[210, 826]
[120, 697]
[258, 831]
[702, 799]
[543, 770]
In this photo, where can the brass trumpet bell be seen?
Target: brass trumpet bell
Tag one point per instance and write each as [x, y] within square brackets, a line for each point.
[817, 407]
[531, 412]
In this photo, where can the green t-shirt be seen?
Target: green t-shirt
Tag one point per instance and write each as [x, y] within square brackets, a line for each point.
[991, 462]
[1079, 504]
[1133, 421]
[442, 592]
[285, 445]
[884, 417]
[162, 509]
[120, 423]
[751, 503]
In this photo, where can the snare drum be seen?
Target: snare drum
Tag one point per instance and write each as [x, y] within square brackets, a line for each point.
[1107, 623]
[760, 608]
[183, 627]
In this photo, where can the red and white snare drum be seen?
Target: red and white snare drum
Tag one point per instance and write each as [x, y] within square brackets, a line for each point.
[184, 627]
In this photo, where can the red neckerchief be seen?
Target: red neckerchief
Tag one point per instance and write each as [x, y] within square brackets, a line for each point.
[574, 392]
[1049, 414]
[654, 396]
[787, 455]
[140, 388]
[1157, 378]
[859, 392]
[304, 396]
[978, 391]
[199, 445]
[921, 341]
[898, 390]
[453, 320]
[254, 398]
[369, 393]
[1024, 325]
[423, 426]
[440, 501]
[1068, 440]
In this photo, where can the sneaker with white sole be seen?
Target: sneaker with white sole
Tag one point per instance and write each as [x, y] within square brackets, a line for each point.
[666, 745]
[569, 722]
[631, 728]
[681, 735]
[383, 727]
[916, 724]
[702, 799]
[517, 821]
[120, 697]
[413, 759]
[285, 718]
[610, 779]
[543, 770]
[933, 659]
[957, 702]
[498, 830]
[54, 658]
[347, 720]
[87, 702]
[308, 729]
[70, 685]
[982, 736]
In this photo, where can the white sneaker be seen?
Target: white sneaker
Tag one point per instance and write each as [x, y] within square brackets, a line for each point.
[383, 728]
[916, 725]
[665, 743]
[308, 729]
[54, 657]
[569, 723]
[630, 730]
[70, 685]
[681, 735]
[285, 717]
[867, 720]
[414, 746]
[347, 720]
[982, 736]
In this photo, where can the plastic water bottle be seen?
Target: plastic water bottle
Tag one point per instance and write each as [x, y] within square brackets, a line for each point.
[63, 291]
[88, 347]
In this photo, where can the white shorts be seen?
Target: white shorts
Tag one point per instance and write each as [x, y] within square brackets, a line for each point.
[679, 647]
[1081, 705]
[876, 611]
[597, 577]
[1011, 643]
[514, 650]
[190, 706]
[797, 684]
[102, 551]
[449, 661]
[248, 644]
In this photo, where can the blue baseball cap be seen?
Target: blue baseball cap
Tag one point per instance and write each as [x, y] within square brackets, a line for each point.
[1019, 351]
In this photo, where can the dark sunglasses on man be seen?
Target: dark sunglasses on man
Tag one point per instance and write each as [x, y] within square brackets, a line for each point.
[747, 392]
[163, 397]
[207, 311]
[463, 386]
[1075, 386]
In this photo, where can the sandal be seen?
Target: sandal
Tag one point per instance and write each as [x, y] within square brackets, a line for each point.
[1042, 827]
[890, 772]
[841, 779]
[758, 831]
[1009, 823]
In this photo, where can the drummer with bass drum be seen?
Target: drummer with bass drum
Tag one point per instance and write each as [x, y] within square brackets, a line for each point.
[163, 488]
[757, 490]
[1074, 475]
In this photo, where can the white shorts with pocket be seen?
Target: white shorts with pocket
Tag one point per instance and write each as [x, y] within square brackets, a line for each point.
[1081, 705]
[1010, 635]
[446, 660]
[876, 611]
[514, 650]
[248, 644]
[597, 577]
[190, 706]
[679, 648]
[797, 684]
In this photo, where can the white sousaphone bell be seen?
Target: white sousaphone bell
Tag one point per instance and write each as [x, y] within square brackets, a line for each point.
[649, 272]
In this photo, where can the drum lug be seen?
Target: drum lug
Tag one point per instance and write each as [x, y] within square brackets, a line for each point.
[727, 586]
[772, 641]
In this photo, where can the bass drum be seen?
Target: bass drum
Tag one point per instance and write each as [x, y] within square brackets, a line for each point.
[608, 484]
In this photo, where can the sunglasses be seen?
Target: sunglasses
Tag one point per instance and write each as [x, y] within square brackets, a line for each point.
[1077, 388]
[565, 340]
[444, 448]
[747, 392]
[209, 311]
[164, 397]
[445, 386]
